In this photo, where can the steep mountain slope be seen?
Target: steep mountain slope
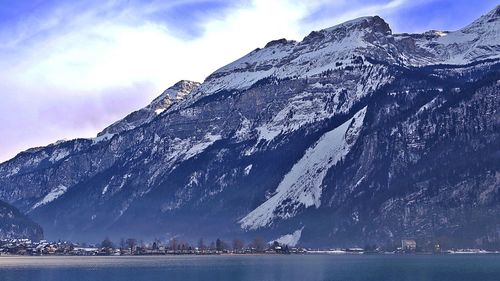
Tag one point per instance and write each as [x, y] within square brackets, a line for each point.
[13, 224]
[352, 135]
[427, 167]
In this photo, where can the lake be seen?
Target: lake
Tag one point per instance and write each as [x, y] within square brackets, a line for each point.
[259, 267]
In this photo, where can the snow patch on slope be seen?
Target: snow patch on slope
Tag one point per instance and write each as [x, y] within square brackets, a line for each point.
[302, 185]
[198, 148]
[51, 196]
[302, 109]
[187, 148]
[13, 171]
[244, 131]
[291, 239]
[248, 169]
[103, 137]
[105, 189]
[58, 155]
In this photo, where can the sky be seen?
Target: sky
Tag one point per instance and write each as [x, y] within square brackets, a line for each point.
[70, 68]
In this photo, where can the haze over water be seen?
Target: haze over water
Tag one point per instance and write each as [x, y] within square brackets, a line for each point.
[291, 268]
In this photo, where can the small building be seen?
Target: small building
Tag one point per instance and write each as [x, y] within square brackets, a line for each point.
[408, 245]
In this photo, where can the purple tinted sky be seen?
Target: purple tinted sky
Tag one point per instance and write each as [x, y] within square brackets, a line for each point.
[69, 68]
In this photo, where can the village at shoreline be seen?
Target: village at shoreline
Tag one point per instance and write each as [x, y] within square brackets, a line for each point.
[132, 247]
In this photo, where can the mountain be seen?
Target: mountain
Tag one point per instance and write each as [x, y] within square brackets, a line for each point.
[13, 224]
[353, 135]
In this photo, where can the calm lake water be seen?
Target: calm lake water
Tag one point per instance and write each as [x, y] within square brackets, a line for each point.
[231, 268]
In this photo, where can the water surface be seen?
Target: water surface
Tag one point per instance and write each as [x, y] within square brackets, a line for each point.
[260, 268]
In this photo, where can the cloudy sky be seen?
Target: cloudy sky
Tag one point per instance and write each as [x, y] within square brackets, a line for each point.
[69, 68]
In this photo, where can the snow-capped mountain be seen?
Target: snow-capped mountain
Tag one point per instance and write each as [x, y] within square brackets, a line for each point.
[353, 135]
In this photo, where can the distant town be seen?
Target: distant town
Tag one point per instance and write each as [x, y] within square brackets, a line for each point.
[133, 247]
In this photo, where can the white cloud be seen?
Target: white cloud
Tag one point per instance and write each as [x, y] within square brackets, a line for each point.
[95, 53]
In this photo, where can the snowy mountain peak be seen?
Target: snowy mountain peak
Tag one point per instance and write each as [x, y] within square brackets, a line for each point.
[178, 92]
[357, 31]
[367, 24]
[282, 41]
[175, 93]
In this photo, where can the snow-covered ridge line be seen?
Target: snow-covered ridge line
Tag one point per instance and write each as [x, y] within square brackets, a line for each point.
[301, 187]
[365, 37]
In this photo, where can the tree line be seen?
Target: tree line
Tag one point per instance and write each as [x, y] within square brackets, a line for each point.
[175, 245]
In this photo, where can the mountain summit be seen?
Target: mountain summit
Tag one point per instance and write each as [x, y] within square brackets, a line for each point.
[365, 24]
[170, 96]
[354, 135]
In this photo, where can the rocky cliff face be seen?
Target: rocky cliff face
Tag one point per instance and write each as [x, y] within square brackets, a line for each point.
[13, 224]
[353, 135]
